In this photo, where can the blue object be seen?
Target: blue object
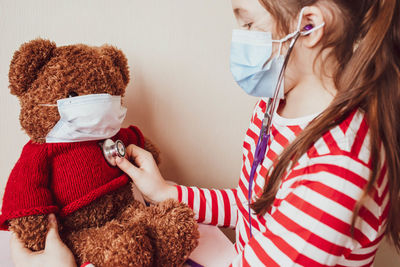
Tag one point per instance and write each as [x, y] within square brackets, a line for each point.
[251, 64]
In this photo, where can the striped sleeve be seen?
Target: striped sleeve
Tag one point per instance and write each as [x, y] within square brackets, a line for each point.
[309, 223]
[211, 206]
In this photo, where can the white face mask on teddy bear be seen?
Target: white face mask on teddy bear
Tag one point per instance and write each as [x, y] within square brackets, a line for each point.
[87, 118]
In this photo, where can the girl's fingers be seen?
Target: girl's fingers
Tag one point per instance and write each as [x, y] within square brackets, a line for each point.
[55, 248]
[18, 250]
[141, 157]
[127, 167]
[146, 175]
[56, 253]
[52, 235]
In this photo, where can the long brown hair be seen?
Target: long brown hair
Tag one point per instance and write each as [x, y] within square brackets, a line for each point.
[365, 37]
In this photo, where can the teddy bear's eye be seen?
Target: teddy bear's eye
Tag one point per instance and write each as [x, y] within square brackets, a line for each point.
[72, 94]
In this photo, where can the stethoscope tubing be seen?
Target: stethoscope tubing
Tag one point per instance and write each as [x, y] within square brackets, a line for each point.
[265, 131]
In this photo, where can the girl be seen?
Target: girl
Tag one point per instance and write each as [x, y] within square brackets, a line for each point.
[326, 190]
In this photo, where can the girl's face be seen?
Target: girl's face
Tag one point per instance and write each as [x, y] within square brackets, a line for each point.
[251, 15]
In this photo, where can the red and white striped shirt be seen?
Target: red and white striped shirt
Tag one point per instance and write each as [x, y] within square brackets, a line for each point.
[309, 222]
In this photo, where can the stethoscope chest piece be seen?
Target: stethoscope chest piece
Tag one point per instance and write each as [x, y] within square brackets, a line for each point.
[112, 150]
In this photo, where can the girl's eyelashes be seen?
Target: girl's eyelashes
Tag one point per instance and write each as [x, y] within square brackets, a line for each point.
[248, 25]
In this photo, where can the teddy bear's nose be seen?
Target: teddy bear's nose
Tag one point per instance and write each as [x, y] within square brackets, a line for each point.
[72, 94]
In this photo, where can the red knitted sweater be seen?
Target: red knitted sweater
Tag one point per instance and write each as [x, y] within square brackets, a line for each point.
[62, 177]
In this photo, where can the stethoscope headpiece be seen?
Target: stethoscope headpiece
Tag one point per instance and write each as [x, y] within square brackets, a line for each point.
[112, 150]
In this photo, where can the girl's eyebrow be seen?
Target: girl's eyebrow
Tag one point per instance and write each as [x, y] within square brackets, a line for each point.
[239, 11]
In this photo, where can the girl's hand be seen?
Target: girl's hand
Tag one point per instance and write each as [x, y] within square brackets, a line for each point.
[146, 176]
[56, 253]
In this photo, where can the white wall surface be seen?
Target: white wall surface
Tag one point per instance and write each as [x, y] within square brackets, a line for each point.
[181, 93]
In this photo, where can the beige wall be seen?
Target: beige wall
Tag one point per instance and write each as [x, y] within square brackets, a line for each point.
[181, 94]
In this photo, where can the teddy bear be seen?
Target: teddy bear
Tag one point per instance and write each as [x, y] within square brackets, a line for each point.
[70, 99]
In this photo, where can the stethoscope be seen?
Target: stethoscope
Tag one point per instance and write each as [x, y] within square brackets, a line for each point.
[112, 150]
[265, 131]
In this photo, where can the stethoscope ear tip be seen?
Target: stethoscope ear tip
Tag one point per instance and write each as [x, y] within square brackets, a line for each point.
[308, 27]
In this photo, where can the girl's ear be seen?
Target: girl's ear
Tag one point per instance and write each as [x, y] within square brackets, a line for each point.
[27, 62]
[312, 16]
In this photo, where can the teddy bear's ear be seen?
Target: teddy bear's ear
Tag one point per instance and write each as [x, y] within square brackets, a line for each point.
[119, 60]
[27, 62]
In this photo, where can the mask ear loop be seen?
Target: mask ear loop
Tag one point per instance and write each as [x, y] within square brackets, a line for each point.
[294, 34]
[48, 105]
[280, 49]
[298, 29]
[291, 35]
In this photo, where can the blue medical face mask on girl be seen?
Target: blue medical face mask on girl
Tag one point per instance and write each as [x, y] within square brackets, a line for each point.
[251, 64]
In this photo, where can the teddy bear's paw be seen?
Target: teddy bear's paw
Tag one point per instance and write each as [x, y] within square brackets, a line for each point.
[174, 231]
[31, 230]
[130, 246]
[170, 205]
[114, 244]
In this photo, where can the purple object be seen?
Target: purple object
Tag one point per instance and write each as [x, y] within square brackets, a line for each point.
[258, 159]
[193, 263]
[308, 27]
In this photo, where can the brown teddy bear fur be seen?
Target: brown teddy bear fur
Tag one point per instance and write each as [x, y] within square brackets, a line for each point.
[115, 229]
[156, 241]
